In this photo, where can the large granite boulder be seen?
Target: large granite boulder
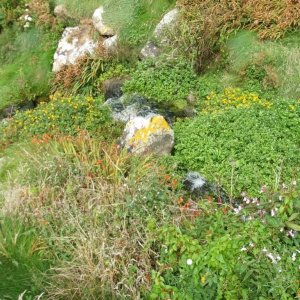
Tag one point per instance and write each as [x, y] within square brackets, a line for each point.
[99, 23]
[76, 42]
[148, 135]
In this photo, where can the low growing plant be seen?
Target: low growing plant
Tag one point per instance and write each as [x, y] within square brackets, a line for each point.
[242, 149]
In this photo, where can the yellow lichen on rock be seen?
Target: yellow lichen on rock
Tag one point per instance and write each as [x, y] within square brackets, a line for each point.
[156, 125]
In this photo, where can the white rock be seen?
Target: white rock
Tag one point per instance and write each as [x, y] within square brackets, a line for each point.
[167, 23]
[75, 43]
[99, 23]
[110, 44]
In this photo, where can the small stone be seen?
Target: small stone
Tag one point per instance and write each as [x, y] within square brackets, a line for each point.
[150, 50]
[61, 12]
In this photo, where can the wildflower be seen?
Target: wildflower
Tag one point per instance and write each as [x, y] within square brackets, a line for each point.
[294, 183]
[243, 248]
[273, 213]
[264, 250]
[273, 259]
[189, 262]
[251, 244]
[291, 233]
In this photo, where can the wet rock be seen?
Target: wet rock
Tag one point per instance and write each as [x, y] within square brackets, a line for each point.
[76, 42]
[129, 107]
[148, 135]
[99, 23]
[201, 188]
[11, 110]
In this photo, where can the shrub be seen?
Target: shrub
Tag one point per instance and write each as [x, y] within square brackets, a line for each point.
[61, 115]
[232, 98]
[243, 149]
[220, 254]
[88, 75]
[166, 82]
[264, 66]
[210, 22]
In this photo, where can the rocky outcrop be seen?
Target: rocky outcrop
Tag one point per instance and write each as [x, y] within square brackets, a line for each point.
[75, 43]
[99, 23]
[148, 135]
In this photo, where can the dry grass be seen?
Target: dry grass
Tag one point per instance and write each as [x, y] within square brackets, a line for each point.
[88, 201]
[210, 21]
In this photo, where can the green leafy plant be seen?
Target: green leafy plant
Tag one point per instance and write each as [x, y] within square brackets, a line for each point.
[166, 82]
[61, 115]
[242, 148]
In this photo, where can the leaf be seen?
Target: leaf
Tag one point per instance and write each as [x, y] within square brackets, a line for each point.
[293, 217]
[293, 226]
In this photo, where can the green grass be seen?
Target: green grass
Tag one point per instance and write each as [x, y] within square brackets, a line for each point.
[133, 20]
[26, 69]
[21, 258]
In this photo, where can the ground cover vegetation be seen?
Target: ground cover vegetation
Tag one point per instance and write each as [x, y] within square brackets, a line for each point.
[80, 218]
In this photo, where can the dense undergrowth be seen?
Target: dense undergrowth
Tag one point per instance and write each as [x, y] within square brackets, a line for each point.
[81, 218]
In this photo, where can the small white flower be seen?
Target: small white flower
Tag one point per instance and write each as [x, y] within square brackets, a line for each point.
[251, 244]
[273, 213]
[264, 250]
[189, 262]
[244, 248]
[281, 229]
[280, 198]
[273, 259]
[294, 183]
[291, 233]
[278, 258]
[294, 256]
[26, 25]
